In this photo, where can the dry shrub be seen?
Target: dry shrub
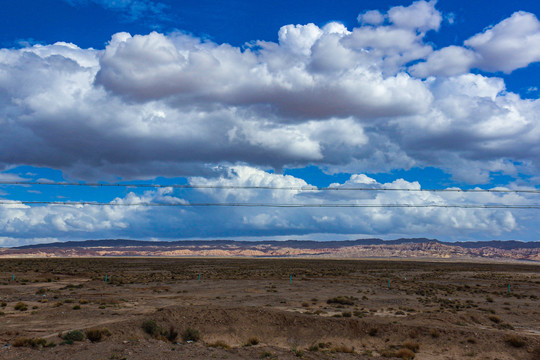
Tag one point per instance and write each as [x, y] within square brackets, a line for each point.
[191, 334]
[96, 335]
[411, 345]
[172, 334]
[434, 333]
[21, 306]
[29, 342]
[515, 341]
[405, 354]
[388, 353]
[342, 300]
[220, 344]
[342, 349]
[253, 341]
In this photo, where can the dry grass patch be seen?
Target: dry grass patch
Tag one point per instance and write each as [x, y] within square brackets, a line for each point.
[29, 342]
[220, 344]
[342, 349]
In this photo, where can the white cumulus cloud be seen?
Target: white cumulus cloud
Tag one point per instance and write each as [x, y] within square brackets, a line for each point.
[342, 99]
[512, 44]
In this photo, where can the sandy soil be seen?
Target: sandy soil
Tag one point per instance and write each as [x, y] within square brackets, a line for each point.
[332, 309]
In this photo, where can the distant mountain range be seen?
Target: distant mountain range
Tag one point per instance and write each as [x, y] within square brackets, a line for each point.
[361, 248]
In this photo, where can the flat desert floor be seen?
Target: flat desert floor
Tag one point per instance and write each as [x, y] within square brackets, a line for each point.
[209, 308]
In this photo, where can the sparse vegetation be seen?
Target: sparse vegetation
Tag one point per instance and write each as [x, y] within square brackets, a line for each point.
[515, 341]
[404, 353]
[21, 306]
[342, 349]
[411, 345]
[191, 334]
[31, 342]
[342, 300]
[74, 335]
[253, 341]
[220, 344]
[97, 334]
[151, 328]
[297, 352]
[172, 334]
[429, 305]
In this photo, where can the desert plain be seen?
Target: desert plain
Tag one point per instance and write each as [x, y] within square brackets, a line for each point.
[245, 308]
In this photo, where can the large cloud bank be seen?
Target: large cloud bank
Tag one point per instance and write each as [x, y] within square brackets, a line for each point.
[372, 98]
[18, 221]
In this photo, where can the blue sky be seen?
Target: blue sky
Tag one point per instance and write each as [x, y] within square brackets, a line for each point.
[380, 94]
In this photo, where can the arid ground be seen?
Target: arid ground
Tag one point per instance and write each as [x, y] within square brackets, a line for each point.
[158, 308]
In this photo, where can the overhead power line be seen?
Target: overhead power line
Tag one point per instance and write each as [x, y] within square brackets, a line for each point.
[248, 187]
[277, 205]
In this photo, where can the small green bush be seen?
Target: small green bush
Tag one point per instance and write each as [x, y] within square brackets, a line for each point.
[21, 306]
[298, 352]
[74, 335]
[191, 334]
[151, 327]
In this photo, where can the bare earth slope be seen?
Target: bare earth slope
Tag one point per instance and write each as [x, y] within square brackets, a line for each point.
[269, 309]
